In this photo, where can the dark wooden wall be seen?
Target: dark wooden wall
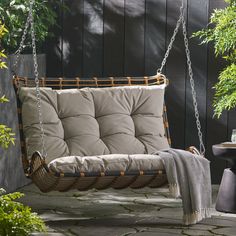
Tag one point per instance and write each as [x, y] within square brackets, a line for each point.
[129, 38]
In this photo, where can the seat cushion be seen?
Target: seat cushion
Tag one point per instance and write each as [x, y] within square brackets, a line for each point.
[103, 163]
[95, 121]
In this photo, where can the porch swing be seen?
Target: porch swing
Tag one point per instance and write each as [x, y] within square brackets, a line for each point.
[59, 114]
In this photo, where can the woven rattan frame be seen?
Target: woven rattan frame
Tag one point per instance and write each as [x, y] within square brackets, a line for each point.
[47, 181]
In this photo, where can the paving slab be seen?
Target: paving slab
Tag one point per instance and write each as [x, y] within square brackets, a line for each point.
[127, 212]
[198, 232]
[230, 231]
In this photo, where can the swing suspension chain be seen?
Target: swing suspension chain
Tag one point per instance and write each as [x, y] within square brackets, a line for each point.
[180, 21]
[171, 41]
[30, 22]
[192, 84]
[36, 73]
[22, 43]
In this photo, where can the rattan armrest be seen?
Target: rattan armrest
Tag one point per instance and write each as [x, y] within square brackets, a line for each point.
[37, 162]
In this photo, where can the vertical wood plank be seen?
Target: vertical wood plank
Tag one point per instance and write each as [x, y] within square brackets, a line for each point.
[216, 128]
[113, 38]
[93, 38]
[73, 38]
[134, 37]
[176, 72]
[197, 19]
[155, 35]
[53, 47]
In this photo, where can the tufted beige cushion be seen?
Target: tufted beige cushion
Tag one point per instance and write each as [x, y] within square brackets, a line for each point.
[90, 122]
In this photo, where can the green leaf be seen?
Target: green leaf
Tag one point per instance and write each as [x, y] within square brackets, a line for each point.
[225, 90]
[6, 136]
[3, 99]
[14, 13]
[222, 32]
[12, 3]
[17, 219]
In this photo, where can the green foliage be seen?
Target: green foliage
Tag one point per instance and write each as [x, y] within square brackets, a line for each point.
[225, 96]
[17, 219]
[14, 14]
[6, 136]
[3, 99]
[2, 63]
[3, 31]
[222, 32]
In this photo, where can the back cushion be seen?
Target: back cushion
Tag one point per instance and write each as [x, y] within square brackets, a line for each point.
[97, 121]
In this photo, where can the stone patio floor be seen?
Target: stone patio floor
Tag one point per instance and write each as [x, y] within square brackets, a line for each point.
[129, 212]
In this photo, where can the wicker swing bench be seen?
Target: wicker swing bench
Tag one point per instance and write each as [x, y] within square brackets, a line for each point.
[37, 168]
[136, 167]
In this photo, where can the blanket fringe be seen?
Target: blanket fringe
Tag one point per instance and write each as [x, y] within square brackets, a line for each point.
[197, 216]
[174, 190]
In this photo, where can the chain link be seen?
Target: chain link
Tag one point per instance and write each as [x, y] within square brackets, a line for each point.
[172, 40]
[20, 49]
[192, 84]
[36, 73]
[30, 23]
[180, 21]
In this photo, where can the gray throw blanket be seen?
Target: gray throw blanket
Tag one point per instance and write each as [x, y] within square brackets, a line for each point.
[189, 178]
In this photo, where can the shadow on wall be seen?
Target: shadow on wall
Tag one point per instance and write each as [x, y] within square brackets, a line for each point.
[89, 25]
[155, 35]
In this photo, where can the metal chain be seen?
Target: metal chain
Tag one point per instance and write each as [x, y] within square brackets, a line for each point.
[192, 84]
[36, 73]
[172, 40]
[20, 49]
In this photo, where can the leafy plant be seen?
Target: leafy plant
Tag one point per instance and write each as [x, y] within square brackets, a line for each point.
[17, 219]
[222, 32]
[3, 31]
[14, 14]
[6, 134]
